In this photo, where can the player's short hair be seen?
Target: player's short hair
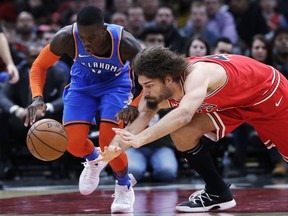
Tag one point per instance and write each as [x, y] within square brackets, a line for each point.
[224, 40]
[90, 15]
[158, 62]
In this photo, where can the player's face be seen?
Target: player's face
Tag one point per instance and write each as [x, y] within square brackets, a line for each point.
[92, 37]
[154, 91]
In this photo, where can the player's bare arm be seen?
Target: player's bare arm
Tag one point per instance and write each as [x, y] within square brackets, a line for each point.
[129, 47]
[196, 86]
[61, 43]
[139, 124]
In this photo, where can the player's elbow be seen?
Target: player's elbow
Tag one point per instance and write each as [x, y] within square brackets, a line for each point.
[185, 116]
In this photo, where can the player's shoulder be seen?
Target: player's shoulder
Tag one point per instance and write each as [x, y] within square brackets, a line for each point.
[64, 33]
[129, 46]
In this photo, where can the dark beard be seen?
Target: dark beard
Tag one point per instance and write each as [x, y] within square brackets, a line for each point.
[151, 105]
[166, 93]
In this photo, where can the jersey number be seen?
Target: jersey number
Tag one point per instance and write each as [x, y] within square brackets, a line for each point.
[222, 57]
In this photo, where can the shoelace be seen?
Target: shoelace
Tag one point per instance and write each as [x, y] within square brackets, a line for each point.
[91, 168]
[198, 196]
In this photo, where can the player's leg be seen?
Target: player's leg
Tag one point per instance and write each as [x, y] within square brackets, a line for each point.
[188, 142]
[78, 115]
[124, 193]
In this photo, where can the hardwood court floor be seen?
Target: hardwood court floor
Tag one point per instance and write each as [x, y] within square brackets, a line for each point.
[255, 196]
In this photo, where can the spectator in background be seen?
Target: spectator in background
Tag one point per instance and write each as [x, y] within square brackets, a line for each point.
[14, 78]
[136, 21]
[25, 29]
[249, 21]
[40, 10]
[153, 36]
[165, 21]
[150, 8]
[25, 33]
[7, 58]
[197, 24]
[14, 100]
[221, 22]
[197, 46]
[119, 18]
[280, 50]
[261, 50]
[121, 5]
[273, 18]
[282, 7]
[223, 46]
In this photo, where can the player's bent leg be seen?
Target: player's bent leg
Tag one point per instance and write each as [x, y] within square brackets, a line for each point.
[216, 193]
[124, 193]
[89, 177]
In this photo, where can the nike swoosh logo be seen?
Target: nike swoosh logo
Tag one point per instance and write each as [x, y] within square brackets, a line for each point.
[83, 56]
[278, 103]
[119, 71]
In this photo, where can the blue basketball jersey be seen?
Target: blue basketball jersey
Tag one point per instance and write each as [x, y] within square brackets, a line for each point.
[97, 83]
[100, 72]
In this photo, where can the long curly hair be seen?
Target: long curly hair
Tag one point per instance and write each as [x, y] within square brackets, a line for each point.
[158, 62]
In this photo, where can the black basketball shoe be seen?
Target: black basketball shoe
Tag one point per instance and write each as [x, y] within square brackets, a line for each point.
[201, 201]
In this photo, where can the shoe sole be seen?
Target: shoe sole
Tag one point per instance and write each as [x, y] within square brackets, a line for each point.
[221, 206]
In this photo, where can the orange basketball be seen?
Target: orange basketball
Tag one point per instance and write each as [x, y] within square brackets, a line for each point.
[47, 139]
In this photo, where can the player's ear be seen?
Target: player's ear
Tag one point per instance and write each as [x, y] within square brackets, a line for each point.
[168, 79]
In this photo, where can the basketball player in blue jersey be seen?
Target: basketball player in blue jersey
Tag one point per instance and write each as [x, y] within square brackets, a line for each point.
[101, 81]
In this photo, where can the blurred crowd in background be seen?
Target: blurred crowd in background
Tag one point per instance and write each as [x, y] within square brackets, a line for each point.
[255, 28]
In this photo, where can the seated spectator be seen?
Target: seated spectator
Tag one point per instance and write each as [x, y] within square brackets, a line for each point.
[153, 36]
[119, 18]
[197, 24]
[249, 21]
[150, 8]
[261, 50]
[165, 20]
[280, 50]
[14, 100]
[223, 46]
[197, 46]
[273, 18]
[220, 21]
[136, 21]
[152, 158]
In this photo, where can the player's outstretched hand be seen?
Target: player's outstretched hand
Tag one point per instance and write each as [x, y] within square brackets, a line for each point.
[37, 105]
[128, 114]
[128, 138]
[108, 154]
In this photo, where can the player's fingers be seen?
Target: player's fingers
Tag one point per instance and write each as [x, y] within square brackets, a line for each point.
[33, 115]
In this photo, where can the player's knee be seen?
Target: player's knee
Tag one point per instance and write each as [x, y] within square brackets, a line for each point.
[76, 149]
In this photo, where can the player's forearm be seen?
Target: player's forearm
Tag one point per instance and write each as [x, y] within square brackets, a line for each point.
[38, 70]
[138, 125]
[5, 51]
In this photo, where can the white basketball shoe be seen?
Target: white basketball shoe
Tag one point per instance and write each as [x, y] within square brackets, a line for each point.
[89, 178]
[124, 197]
